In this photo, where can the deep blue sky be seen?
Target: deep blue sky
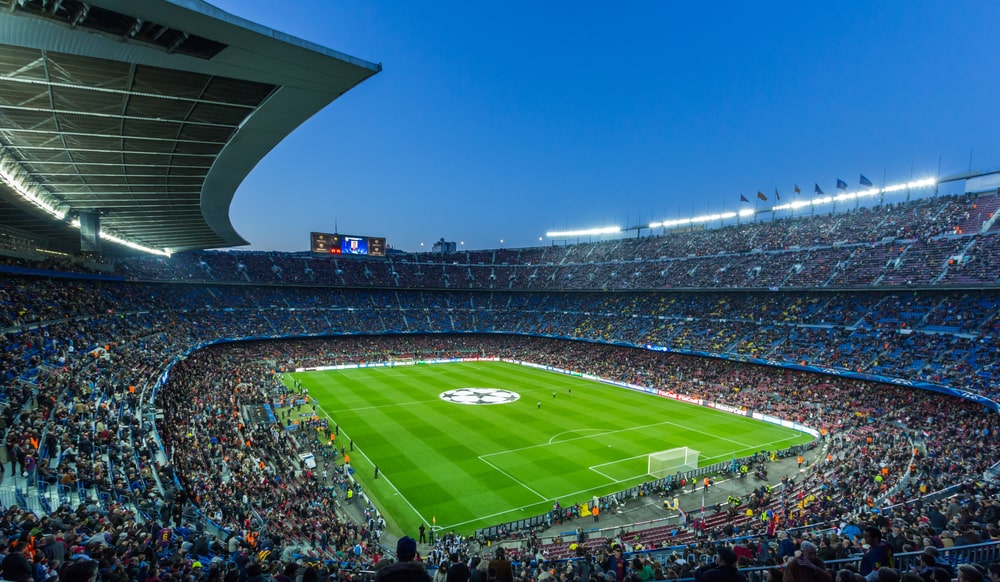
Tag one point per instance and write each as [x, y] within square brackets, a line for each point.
[504, 120]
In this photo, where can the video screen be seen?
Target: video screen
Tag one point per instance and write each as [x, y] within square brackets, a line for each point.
[322, 243]
[353, 245]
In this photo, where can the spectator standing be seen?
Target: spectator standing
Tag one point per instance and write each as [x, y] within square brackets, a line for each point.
[808, 567]
[406, 568]
[459, 571]
[617, 564]
[879, 553]
[501, 567]
[722, 570]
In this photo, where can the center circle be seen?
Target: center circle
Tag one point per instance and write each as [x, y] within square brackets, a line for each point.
[480, 396]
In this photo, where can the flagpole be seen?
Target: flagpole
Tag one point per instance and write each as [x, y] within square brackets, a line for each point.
[881, 196]
[911, 180]
[936, 184]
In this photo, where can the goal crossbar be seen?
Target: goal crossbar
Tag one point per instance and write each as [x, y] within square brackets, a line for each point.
[672, 461]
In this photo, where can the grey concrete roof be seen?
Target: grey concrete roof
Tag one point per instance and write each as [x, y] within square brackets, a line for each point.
[149, 114]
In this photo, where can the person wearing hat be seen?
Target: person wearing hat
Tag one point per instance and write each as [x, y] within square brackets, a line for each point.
[723, 570]
[406, 568]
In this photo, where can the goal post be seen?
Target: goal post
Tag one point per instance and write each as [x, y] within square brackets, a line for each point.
[670, 462]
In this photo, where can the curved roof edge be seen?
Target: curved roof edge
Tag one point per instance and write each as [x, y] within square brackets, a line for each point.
[286, 107]
[303, 71]
[306, 78]
[254, 52]
[219, 14]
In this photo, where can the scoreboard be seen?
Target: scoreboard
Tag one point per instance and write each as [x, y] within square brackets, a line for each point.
[322, 243]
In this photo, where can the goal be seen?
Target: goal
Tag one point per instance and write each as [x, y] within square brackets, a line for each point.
[673, 461]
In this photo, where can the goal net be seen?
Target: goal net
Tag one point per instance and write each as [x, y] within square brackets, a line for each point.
[673, 461]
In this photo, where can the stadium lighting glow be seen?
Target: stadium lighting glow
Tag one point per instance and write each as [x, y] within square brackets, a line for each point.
[585, 232]
[75, 223]
[750, 212]
[115, 239]
[19, 181]
[693, 220]
[866, 193]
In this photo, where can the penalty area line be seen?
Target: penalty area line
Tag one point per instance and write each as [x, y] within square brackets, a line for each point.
[514, 479]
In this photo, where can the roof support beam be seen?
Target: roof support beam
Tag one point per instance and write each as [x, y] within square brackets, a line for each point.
[52, 109]
[108, 135]
[30, 81]
[104, 151]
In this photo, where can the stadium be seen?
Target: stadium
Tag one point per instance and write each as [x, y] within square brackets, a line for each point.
[169, 405]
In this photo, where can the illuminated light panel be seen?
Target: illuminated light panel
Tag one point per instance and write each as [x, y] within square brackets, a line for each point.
[867, 193]
[694, 220]
[75, 223]
[25, 192]
[749, 212]
[584, 232]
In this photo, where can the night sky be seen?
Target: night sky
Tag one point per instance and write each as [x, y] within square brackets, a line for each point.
[506, 120]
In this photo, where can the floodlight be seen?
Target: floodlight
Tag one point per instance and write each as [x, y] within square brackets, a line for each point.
[75, 223]
[585, 232]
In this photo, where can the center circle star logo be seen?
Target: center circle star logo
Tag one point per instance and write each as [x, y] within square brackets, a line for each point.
[480, 396]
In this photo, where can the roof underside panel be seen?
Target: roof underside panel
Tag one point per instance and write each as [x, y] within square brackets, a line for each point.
[131, 142]
[136, 138]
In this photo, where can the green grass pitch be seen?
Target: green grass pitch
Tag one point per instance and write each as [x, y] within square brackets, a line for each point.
[471, 466]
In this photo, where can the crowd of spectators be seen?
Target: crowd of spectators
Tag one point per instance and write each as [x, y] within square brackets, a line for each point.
[82, 365]
[877, 436]
[943, 337]
[935, 241]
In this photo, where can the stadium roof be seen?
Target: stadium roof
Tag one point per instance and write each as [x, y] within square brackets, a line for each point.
[147, 114]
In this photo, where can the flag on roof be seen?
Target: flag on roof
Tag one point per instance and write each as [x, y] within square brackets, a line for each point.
[776, 195]
[818, 189]
[841, 185]
[865, 181]
[743, 198]
[797, 189]
[761, 195]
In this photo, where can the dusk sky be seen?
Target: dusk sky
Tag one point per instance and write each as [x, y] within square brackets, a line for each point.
[505, 120]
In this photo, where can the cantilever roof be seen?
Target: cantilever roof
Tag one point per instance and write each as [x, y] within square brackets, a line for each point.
[149, 114]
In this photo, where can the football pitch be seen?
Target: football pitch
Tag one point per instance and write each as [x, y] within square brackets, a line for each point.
[507, 451]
